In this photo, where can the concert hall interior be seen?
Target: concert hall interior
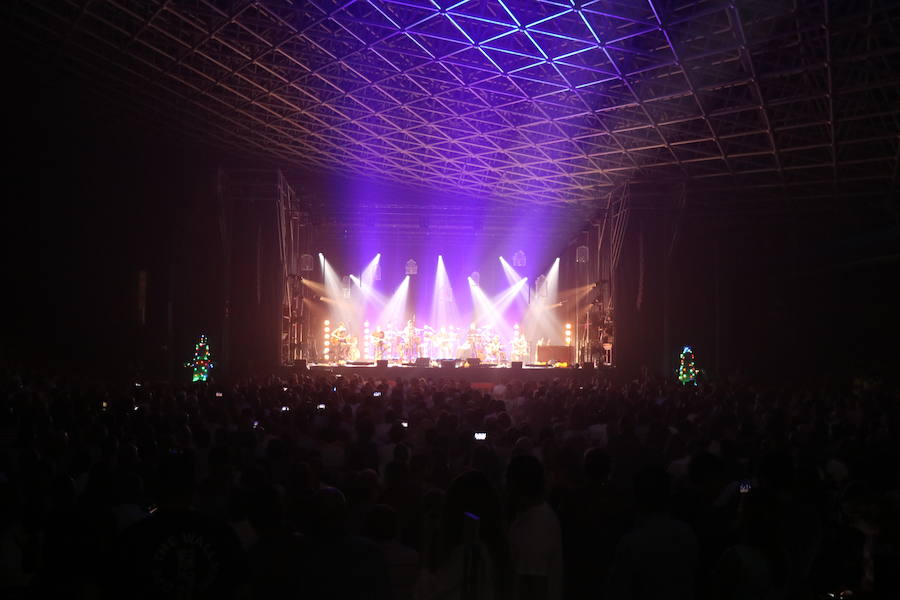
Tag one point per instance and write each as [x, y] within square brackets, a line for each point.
[694, 181]
[450, 299]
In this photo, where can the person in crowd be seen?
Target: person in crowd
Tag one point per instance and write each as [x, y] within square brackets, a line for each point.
[534, 533]
[658, 557]
[469, 556]
[593, 519]
[402, 561]
[271, 486]
[178, 552]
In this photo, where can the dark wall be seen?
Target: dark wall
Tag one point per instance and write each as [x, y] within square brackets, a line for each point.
[769, 300]
[92, 197]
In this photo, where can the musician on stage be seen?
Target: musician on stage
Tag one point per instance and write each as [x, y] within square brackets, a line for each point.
[410, 341]
[391, 341]
[499, 352]
[426, 340]
[379, 342]
[339, 342]
[471, 348]
[519, 347]
[441, 343]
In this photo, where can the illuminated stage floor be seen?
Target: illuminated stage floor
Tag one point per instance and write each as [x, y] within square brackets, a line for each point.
[470, 374]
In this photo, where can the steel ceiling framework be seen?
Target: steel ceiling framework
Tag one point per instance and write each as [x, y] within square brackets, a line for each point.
[544, 101]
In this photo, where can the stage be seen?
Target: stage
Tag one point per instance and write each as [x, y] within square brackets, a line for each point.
[470, 374]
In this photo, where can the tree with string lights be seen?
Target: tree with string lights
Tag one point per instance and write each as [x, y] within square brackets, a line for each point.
[687, 370]
[201, 363]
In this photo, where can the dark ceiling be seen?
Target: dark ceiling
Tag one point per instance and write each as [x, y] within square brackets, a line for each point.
[516, 100]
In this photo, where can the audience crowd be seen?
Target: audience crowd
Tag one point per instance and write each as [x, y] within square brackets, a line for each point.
[330, 487]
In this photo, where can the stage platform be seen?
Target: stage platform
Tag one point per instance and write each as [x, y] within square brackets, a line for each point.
[470, 374]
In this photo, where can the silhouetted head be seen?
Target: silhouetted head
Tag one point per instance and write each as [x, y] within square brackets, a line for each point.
[525, 478]
[596, 465]
[329, 512]
[651, 490]
[381, 525]
[176, 480]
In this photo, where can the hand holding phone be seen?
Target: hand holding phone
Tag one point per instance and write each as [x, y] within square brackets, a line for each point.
[480, 435]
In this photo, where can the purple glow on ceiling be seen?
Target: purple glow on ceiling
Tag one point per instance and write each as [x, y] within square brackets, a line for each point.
[497, 97]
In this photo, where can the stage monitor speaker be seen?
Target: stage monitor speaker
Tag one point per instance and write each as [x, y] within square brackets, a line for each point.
[381, 363]
[587, 365]
[473, 362]
[300, 365]
[423, 361]
[516, 364]
[448, 364]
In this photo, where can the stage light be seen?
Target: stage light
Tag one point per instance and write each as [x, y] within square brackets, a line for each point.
[541, 285]
[395, 308]
[475, 277]
[568, 334]
[518, 259]
[443, 307]
[327, 322]
[306, 263]
[412, 267]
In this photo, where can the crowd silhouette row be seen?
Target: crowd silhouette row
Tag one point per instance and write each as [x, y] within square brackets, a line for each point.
[330, 487]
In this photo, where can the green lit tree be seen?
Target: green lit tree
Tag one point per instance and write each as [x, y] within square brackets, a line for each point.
[201, 363]
[687, 371]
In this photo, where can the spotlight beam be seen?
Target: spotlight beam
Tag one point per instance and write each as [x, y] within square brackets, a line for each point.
[395, 309]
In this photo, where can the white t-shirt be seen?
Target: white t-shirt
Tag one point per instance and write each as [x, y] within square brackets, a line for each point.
[535, 543]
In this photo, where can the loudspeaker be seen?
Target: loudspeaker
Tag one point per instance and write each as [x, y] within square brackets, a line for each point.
[516, 364]
[381, 363]
[423, 362]
[473, 362]
[587, 365]
[448, 364]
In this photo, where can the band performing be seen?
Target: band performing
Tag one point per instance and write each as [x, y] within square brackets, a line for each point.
[410, 343]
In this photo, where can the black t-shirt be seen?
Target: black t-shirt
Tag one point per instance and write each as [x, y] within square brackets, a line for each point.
[177, 554]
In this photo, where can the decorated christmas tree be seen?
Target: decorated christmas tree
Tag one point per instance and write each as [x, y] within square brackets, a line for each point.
[687, 371]
[201, 363]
